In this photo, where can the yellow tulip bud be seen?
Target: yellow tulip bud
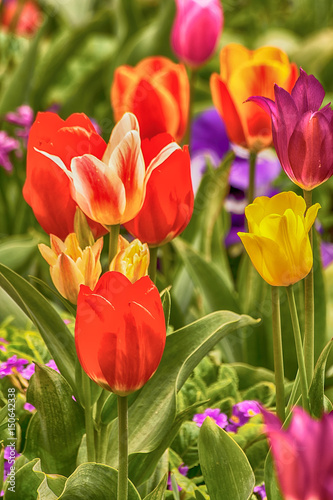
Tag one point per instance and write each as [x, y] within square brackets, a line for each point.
[278, 242]
[132, 259]
[70, 266]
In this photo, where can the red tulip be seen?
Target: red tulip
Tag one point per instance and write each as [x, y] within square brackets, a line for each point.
[47, 188]
[120, 332]
[168, 204]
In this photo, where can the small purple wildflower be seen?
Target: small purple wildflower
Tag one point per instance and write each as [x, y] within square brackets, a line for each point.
[261, 491]
[29, 407]
[183, 469]
[220, 419]
[9, 454]
[28, 372]
[6, 368]
[67, 321]
[3, 344]
[7, 145]
[241, 413]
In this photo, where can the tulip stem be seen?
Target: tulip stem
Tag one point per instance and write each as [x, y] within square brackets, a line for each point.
[309, 307]
[113, 241]
[252, 175]
[123, 448]
[89, 423]
[278, 353]
[299, 347]
[153, 263]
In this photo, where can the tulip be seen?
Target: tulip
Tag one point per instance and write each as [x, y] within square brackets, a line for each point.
[47, 189]
[157, 91]
[168, 205]
[302, 133]
[120, 332]
[278, 243]
[70, 266]
[132, 259]
[111, 191]
[244, 73]
[29, 16]
[302, 455]
[196, 30]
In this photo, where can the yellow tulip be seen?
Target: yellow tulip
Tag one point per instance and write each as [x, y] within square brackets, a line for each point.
[70, 266]
[278, 242]
[132, 259]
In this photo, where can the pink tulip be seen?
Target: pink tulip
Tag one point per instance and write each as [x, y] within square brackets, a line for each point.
[302, 455]
[302, 133]
[196, 30]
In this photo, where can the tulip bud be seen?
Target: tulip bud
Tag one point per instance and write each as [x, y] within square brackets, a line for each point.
[82, 230]
[132, 259]
[70, 266]
[196, 30]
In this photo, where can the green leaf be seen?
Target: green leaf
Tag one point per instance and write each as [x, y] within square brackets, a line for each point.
[33, 484]
[19, 84]
[94, 481]
[249, 375]
[55, 431]
[224, 465]
[9, 309]
[158, 492]
[216, 292]
[16, 251]
[316, 392]
[166, 303]
[55, 333]
[271, 485]
[153, 412]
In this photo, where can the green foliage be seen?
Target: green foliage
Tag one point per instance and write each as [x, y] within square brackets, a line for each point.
[226, 470]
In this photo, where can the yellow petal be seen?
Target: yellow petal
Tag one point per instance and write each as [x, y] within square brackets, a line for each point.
[48, 254]
[311, 215]
[67, 278]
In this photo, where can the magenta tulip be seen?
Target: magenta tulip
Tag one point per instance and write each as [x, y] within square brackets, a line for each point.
[302, 133]
[196, 30]
[302, 455]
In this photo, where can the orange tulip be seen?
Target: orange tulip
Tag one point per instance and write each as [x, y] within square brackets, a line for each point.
[245, 73]
[157, 91]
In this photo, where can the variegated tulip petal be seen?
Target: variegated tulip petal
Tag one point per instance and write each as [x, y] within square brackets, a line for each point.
[127, 123]
[67, 278]
[98, 190]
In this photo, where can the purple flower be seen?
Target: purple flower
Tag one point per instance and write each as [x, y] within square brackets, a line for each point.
[302, 134]
[7, 145]
[241, 413]
[326, 250]
[28, 407]
[302, 455]
[9, 454]
[28, 372]
[261, 491]
[3, 344]
[220, 419]
[23, 117]
[13, 363]
[183, 469]
[209, 140]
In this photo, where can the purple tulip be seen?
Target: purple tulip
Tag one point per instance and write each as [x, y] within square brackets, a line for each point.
[302, 133]
[196, 30]
[302, 455]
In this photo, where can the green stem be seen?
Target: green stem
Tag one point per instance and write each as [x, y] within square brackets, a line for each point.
[252, 175]
[192, 78]
[113, 241]
[90, 438]
[102, 434]
[293, 394]
[153, 263]
[278, 353]
[299, 347]
[309, 308]
[123, 448]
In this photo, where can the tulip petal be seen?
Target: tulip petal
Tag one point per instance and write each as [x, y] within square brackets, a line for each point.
[162, 157]
[310, 216]
[67, 278]
[231, 57]
[127, 160]
[127, 123]
[48, 254]
[98, 190]
[112, 285]
[309, 158]
[308, 93]
[124, 78]
[57, 161]
[225, 105]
